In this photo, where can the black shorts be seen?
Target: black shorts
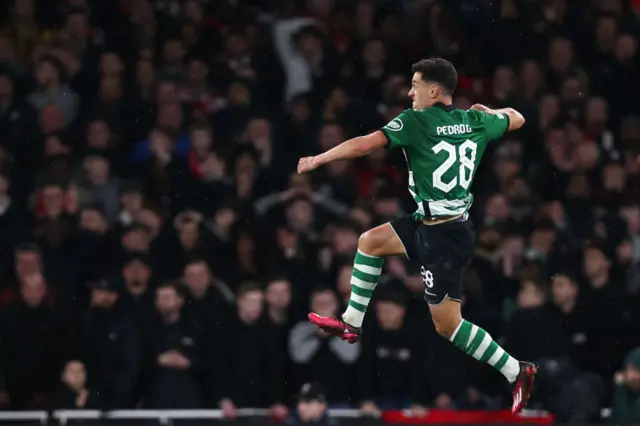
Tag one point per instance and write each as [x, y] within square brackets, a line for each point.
[443, 252]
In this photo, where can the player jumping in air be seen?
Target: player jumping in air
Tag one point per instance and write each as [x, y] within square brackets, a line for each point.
[442, 146]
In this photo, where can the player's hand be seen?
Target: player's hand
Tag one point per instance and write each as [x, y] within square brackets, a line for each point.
[306, 164]
[480, 107]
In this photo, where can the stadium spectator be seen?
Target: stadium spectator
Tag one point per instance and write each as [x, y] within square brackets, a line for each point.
[73, 393]
[391, 358]
[111, 347]
[250, 363]
[155, 141]
[325, 358]
[627, 383]
[174, 350]
[312, 406]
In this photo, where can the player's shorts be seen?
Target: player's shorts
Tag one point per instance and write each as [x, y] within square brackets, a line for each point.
[443, 252]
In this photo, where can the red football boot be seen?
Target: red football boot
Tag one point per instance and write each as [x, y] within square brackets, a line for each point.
[336, 326]
[523, 385]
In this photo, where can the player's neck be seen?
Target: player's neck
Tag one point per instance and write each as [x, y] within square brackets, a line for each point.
[443, 100]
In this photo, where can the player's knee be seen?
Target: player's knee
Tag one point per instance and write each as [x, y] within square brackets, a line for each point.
[370, 244]
[446, 324]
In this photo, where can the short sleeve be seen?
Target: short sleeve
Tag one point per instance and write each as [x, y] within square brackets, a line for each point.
[495, 125]
[400, 131]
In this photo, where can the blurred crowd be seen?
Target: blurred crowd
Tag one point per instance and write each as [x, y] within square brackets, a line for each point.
[157, 249]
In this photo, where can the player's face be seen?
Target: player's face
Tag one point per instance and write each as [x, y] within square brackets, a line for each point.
[422, 94]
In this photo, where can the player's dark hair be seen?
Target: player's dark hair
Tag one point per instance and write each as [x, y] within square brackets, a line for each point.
[439, 71]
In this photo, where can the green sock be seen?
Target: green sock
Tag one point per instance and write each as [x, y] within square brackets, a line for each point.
[474, 341]
[364, 279]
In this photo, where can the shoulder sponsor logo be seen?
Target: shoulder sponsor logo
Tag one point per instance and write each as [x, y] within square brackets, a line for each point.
[395, 125]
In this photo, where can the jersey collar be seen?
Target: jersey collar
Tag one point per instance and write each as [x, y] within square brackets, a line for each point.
[447, 108]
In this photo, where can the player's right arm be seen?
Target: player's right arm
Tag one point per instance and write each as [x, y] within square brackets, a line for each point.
[516, 120]
[397, 133]
[352, 148]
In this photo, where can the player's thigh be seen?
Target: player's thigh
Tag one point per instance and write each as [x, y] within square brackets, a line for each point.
[444, 251]
[382, 240]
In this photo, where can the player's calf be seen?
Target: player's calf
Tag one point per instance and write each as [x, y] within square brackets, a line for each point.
[471, 339]
[373, 245]
[474, 341]
[366, 272]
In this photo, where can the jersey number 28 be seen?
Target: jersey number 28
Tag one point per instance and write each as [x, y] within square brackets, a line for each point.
[465, 156]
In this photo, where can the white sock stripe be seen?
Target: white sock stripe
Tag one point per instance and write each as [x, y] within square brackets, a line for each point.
[369, 255]
[453, 336]
[360, 299]
[511, 369]
[474, 331]
[353, 316]
[368, 269]
[362, 284]
[486, 341]
[496, 356]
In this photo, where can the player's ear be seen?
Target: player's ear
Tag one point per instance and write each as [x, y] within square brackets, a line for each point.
[434, 91]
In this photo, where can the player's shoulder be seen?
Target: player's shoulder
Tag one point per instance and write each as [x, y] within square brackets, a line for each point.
[475, 116]
[401, 120]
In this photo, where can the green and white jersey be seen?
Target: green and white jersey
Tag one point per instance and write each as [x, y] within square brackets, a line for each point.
[443, 147]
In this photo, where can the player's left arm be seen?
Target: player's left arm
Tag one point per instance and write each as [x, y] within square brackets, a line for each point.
[516, 120]
[352, 148]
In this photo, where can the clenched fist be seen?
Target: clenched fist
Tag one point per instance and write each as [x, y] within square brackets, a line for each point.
[480, 107]
[306, 164]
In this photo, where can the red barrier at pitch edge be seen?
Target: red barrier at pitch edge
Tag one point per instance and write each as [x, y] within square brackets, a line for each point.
[447, 416]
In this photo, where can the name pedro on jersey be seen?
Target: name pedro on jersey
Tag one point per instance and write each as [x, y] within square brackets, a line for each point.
[456, 129]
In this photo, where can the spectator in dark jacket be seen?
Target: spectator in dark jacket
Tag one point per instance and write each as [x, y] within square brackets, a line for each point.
[111, 348]
[312, 406]
[175, 355]
[251, 365]
[72, 393]
[321, 356]
[392, 357]
[31, 345]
